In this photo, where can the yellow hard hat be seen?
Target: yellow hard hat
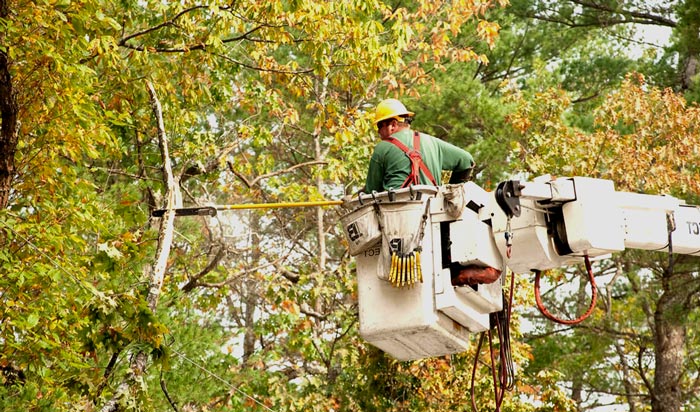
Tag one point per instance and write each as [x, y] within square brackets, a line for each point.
[386, 109]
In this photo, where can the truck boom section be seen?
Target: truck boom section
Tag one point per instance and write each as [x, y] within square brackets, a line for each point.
[563, 220]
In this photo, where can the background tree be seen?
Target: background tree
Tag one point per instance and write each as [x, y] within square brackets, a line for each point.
[260, 103]
[643, 137]
[569, 61]
[270, 101]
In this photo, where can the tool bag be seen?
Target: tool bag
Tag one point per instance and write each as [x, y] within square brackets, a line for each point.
[403, 227]
[400, 227]
[361, 228]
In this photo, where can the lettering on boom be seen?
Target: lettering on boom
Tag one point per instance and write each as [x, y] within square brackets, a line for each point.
[693, 228]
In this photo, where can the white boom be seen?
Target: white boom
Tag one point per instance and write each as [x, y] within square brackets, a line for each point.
[416, 312]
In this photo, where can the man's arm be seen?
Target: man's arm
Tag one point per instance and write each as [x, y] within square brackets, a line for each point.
[458, 160]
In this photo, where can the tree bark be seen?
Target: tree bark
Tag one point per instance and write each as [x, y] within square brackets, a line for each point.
[670, 352]
[8, 118]
[669, 335]
[167, 224]
[250, 288]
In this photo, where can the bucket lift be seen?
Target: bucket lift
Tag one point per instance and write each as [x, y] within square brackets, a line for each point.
[527, 226]
[431, 318]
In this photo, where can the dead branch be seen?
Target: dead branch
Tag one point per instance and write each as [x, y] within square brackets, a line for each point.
[165, 239]
[194, 280]
[251, 183]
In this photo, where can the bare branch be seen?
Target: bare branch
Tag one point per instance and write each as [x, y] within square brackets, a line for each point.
[635, 16]
[614, 17]
[165, 238]
[255, 181]
[231, 279]
[289, 275]
[108, 372]
[642, 373]
[258, 68]
[164, 388]
[210, 166]
[170, 22]
[194, 280]
[306, 310]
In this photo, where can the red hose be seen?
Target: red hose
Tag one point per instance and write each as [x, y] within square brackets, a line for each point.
[545, 312]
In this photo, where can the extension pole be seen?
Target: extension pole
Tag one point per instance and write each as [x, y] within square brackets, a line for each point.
[279, 205]
[211, 210]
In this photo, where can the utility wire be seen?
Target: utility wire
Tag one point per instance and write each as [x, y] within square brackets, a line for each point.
[222, 380]
[53, 261]
[58, 266]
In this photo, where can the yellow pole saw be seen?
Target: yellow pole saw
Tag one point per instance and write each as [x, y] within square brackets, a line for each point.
[212, 210]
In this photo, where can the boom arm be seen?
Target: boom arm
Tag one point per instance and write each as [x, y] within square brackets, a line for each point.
[587, 217]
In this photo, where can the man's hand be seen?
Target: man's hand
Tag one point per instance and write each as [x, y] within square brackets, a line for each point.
[461, 176]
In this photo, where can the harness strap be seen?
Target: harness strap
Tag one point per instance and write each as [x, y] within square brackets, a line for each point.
[417, 164]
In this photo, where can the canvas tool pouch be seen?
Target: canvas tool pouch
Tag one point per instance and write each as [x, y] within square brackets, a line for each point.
[361, 228]
[402, 225]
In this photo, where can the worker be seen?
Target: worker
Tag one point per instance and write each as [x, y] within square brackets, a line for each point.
[404, 157]
[395, 163]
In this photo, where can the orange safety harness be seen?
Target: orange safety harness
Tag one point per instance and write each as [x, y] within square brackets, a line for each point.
[416, 159]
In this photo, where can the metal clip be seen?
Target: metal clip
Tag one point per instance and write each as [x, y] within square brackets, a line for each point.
[670, 222]
[508, 234]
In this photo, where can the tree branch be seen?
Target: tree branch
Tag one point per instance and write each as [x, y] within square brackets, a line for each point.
[255, 181]
[164, 388]
[260, 69]
[170, 22]
[165, 238]
[289, 275]
[629, 17]
[193, 282]
[642, 373]
[306, 310]
[637, 16]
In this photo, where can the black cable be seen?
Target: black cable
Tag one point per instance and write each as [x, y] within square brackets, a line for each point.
[671, 225]
[476, 361]
[503, 375]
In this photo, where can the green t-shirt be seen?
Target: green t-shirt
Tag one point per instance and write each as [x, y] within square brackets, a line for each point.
[390, 166]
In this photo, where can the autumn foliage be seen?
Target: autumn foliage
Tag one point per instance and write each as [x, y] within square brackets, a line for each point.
[643, 138]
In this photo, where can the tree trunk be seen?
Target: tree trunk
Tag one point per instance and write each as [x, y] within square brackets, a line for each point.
[250, 290]
[669, 342]
[8, 118]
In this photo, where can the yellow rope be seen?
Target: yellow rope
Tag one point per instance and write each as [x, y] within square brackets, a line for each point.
[279, 205]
